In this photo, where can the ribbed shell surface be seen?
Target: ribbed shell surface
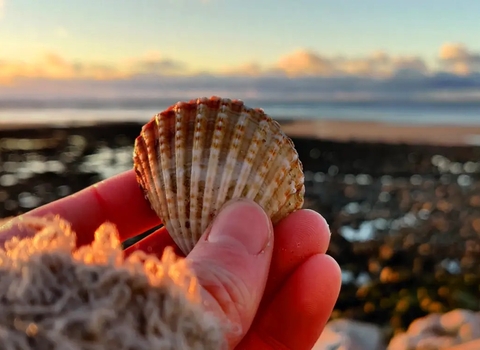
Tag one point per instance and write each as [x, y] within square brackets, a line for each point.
[197, 155]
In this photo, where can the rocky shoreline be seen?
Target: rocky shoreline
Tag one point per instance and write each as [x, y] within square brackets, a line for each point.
[405, 218]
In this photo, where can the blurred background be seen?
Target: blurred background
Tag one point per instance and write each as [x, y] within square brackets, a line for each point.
[382, 99]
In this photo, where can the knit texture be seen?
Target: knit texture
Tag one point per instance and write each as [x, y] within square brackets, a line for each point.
[57, 297]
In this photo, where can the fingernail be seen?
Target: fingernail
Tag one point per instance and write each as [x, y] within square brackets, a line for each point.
[242, 222]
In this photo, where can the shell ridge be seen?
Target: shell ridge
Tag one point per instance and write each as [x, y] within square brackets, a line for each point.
[273, 179]
[212, 170]
[138, 156]
[210, 154]
[285, 184]
[236, 108]
[270, 144]
[190, 127]
[252, 153]
[141, 161]
[232, 157]
[295, 200]
[166, 164]
[159, 181]
[150, 134]
[296, 191]
[265, 168]
[181, 121]
[196, 168]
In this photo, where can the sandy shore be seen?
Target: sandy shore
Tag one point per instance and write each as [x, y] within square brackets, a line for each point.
[440, 135]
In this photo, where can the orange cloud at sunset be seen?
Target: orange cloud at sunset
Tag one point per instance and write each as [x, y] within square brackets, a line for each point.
[453, 58]
[459, 59]
[303, 62]
[55, 67]
[378, 64]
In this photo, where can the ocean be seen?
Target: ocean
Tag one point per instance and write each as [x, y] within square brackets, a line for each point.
[91, 111]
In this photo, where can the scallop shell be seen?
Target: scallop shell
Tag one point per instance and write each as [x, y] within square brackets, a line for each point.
[193, 157]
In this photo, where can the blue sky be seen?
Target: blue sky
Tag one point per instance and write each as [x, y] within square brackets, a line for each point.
[123, 39]
[254, 30]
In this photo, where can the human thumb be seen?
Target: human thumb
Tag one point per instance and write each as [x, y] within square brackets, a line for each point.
[231, 262]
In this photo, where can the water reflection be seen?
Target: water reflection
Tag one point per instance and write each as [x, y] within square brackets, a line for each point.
[39, 166]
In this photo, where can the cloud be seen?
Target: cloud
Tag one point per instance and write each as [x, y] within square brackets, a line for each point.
[154, 63]
[306, 63]
[302, 75]
[377, 65]
[53, 66]
[454, 58]
[458, 59]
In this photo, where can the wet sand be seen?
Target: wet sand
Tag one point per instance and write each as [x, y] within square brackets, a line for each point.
[441, 135]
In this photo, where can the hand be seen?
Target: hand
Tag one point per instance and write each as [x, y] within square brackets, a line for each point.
[274, 293]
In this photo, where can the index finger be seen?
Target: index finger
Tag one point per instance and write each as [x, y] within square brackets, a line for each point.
[118, 200]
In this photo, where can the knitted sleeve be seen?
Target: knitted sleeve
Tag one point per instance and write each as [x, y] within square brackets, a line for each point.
[54, 296]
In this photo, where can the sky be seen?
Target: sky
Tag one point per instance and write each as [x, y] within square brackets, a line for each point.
[309, 48]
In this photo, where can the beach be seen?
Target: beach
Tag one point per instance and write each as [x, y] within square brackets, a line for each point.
[402, 202]
[391, 133]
